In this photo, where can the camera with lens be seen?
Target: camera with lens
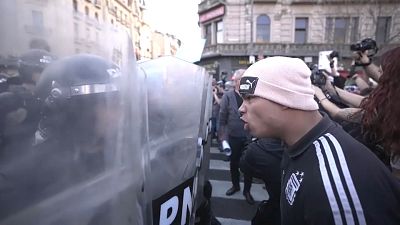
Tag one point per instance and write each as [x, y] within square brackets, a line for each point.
[334, 54]
[317, 76]
[367, 44]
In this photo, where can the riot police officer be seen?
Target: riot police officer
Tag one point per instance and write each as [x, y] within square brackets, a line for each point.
[86, 162]
[19, 115]
[78, 121]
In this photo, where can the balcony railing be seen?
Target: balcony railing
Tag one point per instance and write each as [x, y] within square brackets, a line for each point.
[275, 49]
[270, 49]
[306, 1]
[270, 1]
[37, 30]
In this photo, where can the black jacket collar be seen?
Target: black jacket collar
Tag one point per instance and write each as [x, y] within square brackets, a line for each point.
[301, 145]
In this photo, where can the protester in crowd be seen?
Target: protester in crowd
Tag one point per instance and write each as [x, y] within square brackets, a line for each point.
[217, 95]
[378, 113]
[328, 177]
[380, 110]
[231, 129]
[229, 85]
[262, 159]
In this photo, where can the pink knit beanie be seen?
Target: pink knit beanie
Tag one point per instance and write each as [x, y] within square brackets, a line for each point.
[283, 80]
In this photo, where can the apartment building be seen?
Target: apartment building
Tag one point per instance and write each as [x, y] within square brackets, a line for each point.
[78, 24]
[239, 32]
[164, 44]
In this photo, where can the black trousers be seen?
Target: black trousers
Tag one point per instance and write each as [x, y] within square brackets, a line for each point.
[237, 147]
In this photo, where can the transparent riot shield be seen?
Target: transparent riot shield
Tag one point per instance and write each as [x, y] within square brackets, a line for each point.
[73, 127]
[175, 100]
[204, 144]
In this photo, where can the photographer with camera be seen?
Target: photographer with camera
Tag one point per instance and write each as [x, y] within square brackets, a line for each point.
[362, 55]
[377, 113]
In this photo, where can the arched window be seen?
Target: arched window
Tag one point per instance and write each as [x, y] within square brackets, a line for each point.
[75, 5]
[86, 11]
[263, 28]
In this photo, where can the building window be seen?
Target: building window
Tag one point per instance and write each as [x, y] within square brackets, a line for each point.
[339, 33]
[354, 30]
[76, 29]
[383, 29]
[37, 19]
[220, 32]
[341, 30]
[263, 28]
[86, 11]
[300, 32]
[87, 34]
[207, 34]
[96, 15]
[75, 5]
[97, 37]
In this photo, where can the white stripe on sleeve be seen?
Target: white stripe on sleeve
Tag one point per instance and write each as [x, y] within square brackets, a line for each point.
[327, 184]
[338, 182]
[348, 179]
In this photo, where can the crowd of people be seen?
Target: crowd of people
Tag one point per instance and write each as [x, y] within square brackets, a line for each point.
[328, 152]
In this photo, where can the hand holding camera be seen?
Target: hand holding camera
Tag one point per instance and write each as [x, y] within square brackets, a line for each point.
[363, 51]
[361, 58]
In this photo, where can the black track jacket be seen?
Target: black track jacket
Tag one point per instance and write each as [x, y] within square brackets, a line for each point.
[330, 178]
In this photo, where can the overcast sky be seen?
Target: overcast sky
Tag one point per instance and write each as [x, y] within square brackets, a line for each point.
[177, 17]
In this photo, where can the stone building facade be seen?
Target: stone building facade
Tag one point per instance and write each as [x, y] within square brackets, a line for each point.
[78, 23]
[239, 32]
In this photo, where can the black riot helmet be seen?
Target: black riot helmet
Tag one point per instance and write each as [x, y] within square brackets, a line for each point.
[72, 89]
[33, 61]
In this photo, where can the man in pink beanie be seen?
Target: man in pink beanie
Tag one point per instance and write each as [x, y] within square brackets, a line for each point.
[328, 177]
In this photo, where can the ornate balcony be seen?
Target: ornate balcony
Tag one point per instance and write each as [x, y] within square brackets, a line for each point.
[265, 1]
[274, 49]
[288, 49]
[37, 30]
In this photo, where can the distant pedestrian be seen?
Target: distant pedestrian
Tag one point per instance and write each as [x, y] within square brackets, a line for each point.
[231, 129]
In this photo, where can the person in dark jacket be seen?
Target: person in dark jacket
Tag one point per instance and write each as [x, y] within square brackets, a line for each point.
[262, 159]
[231, 129]
[328, 177]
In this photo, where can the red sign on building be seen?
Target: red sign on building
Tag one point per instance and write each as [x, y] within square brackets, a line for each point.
[214, 13]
